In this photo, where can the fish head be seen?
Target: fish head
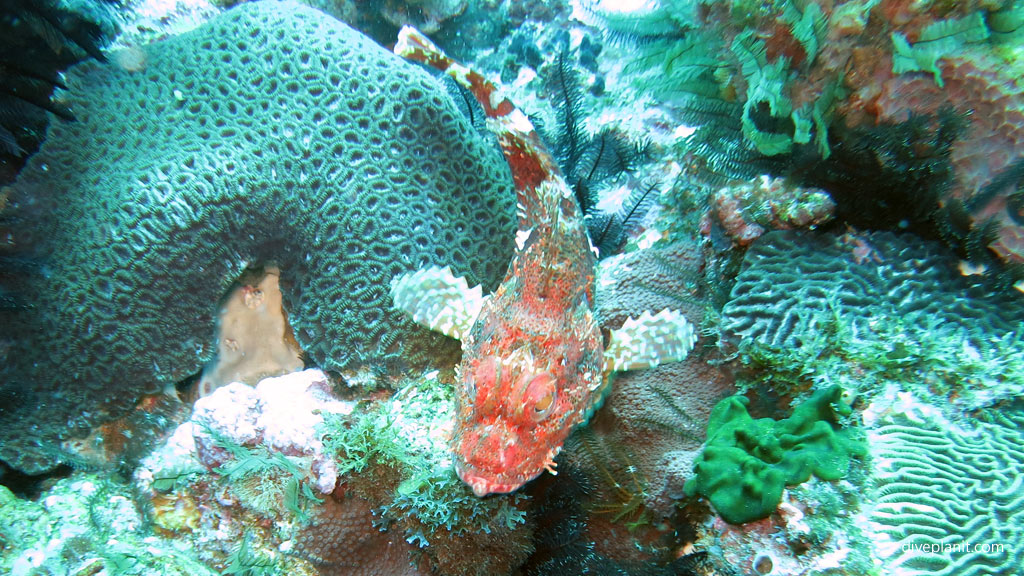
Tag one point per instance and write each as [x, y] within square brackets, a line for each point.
[511, 416]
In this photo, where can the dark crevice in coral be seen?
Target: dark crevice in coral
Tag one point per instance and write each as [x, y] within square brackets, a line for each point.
[890, 177]
[31, 486]
[38, 39]
[564, 540]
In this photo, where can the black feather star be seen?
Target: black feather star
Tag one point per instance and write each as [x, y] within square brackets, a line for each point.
[609, 230]
[590, 161]
[38, 39]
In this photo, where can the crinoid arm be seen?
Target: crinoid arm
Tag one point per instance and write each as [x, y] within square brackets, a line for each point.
[649, 340]
[437, 299]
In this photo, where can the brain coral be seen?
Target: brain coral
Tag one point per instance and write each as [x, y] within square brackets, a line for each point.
[794, 287]
[271, 135]
[949, 498]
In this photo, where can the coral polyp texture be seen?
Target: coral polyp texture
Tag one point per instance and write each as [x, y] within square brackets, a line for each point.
[270, 135]
[948, 499]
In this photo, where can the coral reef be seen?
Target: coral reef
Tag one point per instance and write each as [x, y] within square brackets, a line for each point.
[948, 498]
[342, 539]
[814, 532]
[397, 457]
[663, 276]
[147, 21]
[572, 539]
[653, 420]
[778, 87]
[282, 138]
[279, 413]
[381, 20]
[252, 465]
[611, 508]
[87, 524]
[121, 443]
[746, 463]
[992, 143]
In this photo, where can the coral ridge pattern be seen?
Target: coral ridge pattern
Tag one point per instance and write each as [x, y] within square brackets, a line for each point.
[949, 498]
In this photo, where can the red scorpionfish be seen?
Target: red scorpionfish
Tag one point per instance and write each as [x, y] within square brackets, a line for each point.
[534, 363]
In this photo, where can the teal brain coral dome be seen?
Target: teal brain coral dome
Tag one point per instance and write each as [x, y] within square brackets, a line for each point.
[271, 135]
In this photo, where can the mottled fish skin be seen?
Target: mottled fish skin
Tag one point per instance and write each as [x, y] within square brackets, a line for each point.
[532, 365]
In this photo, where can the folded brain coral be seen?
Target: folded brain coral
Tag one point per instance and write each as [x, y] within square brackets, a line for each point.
[794, 286]
[949, 498]
[271, 135]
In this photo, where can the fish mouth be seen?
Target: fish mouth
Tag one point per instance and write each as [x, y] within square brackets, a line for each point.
[483, 486]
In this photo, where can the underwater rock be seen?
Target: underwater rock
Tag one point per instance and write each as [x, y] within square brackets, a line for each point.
[280, 413]
[272, 134]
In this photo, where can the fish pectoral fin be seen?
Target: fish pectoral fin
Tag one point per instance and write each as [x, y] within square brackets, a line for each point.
[439, 300]
[649, 340]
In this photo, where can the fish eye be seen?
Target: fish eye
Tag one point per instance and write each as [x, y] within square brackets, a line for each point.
[540, 394]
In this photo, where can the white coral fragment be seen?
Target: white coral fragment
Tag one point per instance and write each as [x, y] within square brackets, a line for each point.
[439, 300]
[650, 340]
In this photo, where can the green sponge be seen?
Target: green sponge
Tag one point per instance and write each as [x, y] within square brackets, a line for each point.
[746, 463]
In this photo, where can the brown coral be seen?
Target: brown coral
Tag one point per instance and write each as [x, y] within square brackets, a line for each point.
[652, 279]
[653, 421]
[342, 540]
